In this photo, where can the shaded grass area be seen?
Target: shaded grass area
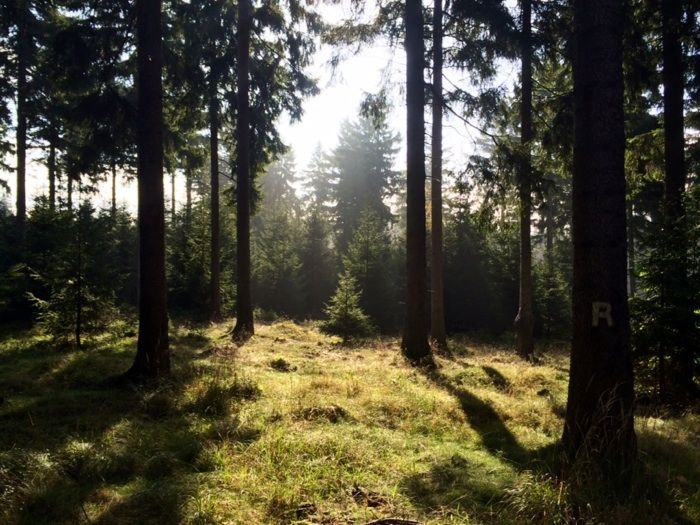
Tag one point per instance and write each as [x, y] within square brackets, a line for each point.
[292, 428]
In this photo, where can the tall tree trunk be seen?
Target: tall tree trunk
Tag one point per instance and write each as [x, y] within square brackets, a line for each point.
[437, 305]
[631, 256]
[188, 196]
[69, 192]
[244, 304]
[675, 238]
[549, 260]
[524, 320]
[674, 142]
[52, 174]
[114, 190]
[414, 343]
[599, 416]
[215, 283]
[22, 65]
[153, 354]
[79, 273]
[173, 210]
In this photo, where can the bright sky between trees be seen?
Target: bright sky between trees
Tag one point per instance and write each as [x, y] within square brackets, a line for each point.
[342, 89]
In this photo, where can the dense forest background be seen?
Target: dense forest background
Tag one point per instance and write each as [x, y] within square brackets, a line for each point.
[68, 96]
[508, 337]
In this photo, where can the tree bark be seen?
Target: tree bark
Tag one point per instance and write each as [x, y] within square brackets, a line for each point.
[173, 209]
[79, 273]
[22, 65]
[52, 174]
[676, 275]
[244, 305]
[69, 192]
[524, 319]
[414, 343]
[631, 253]
[188, 196]
[599, 417]
[437, 305]
[215, 284]
[153, 354]
[114, 190]
[674, 141]
[549, 260]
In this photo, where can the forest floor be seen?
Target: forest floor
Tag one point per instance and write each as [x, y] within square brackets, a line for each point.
[294, 428]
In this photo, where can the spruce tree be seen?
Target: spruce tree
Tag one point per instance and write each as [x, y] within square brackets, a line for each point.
[437, 296]
[345, 316]
[524, 320]
[414, 343]
[244, 328]
[369, 261]
[362, 175]
[317, 271]
[599, 416]
[153, 352]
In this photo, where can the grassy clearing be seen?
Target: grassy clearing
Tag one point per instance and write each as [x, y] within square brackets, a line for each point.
[292, 428]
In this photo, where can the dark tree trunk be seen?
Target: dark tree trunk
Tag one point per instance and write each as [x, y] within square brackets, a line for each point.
[244, 304]
[662, 389]
[631, 264]
[549, 260]
[69, 191]
[599, 416]
[79, 273]
[437, 305]
[215, 283]
[415, 334]
[675, 279]
[674, 142]
[188, 196]
[52, 174]
[524, 320]
[22, 65]
[153, 354]
[173, 209]
[114, 190]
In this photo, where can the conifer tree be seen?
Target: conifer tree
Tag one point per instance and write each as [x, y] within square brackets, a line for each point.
[362, 176]
[414, 342]
[317, 265]
[345, 316]
[599, 418]
[524, 320]
[368, 260]
[244, 328]
[437, 296]
[676, 272]
[153, 352]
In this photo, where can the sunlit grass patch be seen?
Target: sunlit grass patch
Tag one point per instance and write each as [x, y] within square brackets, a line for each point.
[293, 428]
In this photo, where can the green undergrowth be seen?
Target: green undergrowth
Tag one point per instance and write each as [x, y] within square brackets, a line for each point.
[294, 428]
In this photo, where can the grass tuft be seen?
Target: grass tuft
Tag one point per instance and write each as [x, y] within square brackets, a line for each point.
[215, 395]
[330, 413]
[282, 365]
[159, 466]
[158, 404]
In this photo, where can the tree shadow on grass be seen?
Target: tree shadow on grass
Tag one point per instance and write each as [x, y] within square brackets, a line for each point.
[470, 487]
[473, 486]
[126, 454]
[498, 379]
[459, 486]
[482, 417]
[154, 503]
[89, 481]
